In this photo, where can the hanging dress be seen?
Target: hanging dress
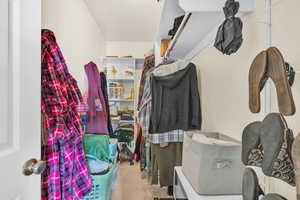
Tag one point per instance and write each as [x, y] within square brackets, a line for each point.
[97, 115]
[105, 95]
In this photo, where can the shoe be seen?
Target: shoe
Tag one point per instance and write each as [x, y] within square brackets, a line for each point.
[290, 73]
[251, 189]
[296, 159]
[277, 139]
[273, 197]
[257, 78]
[276, 70]
[252, 152]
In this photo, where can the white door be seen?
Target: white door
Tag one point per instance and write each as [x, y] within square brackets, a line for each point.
[19, 97]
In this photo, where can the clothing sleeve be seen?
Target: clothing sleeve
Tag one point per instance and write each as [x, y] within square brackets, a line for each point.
[195, 100]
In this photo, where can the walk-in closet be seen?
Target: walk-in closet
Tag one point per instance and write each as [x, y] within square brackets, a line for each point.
[149, 100]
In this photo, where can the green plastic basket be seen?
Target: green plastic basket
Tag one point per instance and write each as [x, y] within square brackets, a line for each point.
[102, 186]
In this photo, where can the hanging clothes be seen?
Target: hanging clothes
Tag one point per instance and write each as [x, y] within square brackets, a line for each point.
[170, 112]
[146, 104]
[105, 95]
[149, 63]
[163, 162]
[166, 147]
[143, 156]
[66, 175]
[138, 143]
[144, 119]
[97, 114]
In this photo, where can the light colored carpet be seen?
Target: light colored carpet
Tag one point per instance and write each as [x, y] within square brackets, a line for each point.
[130, 185]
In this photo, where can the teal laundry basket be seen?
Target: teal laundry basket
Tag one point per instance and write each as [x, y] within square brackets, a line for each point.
[102, 185]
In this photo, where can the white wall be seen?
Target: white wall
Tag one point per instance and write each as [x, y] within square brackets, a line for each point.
[123, 48]
[77, 33]
[224, 79]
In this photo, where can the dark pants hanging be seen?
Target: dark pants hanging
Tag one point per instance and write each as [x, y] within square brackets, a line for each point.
[163, 162]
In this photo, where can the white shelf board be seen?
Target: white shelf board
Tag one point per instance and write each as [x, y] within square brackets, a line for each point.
[195, 31]
[170, 11]
[120, 79]
[139, 61]
[127, 121]
[121, 100]
[200, 30]
[128, 61]
[193, 195]
[213, 5]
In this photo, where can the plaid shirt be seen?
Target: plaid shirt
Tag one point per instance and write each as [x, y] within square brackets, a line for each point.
[167, 137]
[144, 118]
[66, 176]
[148, 64]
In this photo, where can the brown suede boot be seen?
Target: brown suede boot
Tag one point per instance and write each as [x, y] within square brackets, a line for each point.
[277, 72]
[296, 159]
[257, 73]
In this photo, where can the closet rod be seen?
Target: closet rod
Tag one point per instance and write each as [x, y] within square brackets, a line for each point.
[178, 33]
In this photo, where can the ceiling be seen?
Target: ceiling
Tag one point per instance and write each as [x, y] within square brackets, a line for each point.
[126, 20]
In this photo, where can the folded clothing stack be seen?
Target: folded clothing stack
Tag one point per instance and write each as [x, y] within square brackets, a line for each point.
[127, 116]
[125, 132]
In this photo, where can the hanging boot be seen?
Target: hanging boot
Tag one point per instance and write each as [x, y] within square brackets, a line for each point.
[257, 79]
[273, 197]
[277, 72]
[277, 140]
[251, 188]
[296, 159]
[252, 152]
[290, 74]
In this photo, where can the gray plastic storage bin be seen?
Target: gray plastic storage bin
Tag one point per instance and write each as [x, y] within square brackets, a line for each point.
[212, 164]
